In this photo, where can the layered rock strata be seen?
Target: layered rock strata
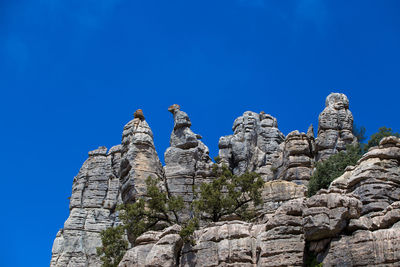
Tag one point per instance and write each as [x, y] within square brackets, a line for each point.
[252, 146]
[354, 223]
[296, 159]
[336, 225]
[95, 194]
[335, 127]
[139, 158]
[279, 242]
[276, 193]
[375, 235]
[155, 249]
[187, 160]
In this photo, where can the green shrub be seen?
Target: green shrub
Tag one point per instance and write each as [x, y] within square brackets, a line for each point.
[228, 194]
[114, 246]
[377, 137]
[333, 167]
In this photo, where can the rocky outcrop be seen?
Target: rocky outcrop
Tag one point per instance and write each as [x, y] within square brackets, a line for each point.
[279, 242]
[95, 194]
[335, 126]
[328, 213]
[252, 146]
[276, 193]
[366, 232]
[187, 160]
[376, 178]
[282, 243]
[139, 158]
[353, 223]
[296, 159]
[155, 249]
[365, 248]
[223, 244]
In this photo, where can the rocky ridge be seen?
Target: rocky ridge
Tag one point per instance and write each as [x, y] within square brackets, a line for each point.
[356, 218]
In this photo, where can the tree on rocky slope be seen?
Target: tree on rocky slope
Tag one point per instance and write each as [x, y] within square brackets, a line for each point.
[377, 137]
[333, 167]
[229, 194]
[225, 195]
[114, 246]
[328, 170]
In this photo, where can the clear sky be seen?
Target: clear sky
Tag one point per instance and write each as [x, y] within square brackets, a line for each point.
[73, 72]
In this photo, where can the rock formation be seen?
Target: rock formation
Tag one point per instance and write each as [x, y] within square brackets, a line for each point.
[336, 224]
[355, 222]
[335, 126]
[105, 180]
[187, 160]
[155, 249]
[139, 158]
[296, 160]
[252, 146]
[95, 194]
[373, 238]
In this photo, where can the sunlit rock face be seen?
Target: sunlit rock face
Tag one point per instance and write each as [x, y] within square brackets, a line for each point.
[297, 158]
[95, 194]
[139, 158]
[356, 222]
[187, 160]
[369, 219]
[252, 146]
[335, 128]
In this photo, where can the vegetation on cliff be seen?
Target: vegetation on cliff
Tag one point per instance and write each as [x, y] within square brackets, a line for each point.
[225, 195]
[328, 170]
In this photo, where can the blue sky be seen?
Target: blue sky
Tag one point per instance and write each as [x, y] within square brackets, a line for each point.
[73, 72]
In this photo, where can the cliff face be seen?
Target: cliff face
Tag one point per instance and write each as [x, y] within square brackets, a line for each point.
[353, 223]
[95, 194]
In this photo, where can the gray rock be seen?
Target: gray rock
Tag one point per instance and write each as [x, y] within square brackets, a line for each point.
[282, 243]
[95, 194]
[276, 193]
[335, 126]
[365, 248]
[373, 237]
[253, 144]
[223, 244]
[155, 249]
[376, 177]
[297, 159]
[139, 158]
[187, 160]
[328, 213]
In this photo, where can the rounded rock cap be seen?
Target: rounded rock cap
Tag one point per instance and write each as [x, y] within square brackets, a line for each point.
[138, 114]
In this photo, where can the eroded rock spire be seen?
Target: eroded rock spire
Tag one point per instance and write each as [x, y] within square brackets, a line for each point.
[335, 126]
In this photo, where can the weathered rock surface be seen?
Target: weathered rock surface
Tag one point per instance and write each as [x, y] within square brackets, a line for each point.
[276, 193]
[155, 249]
[282, 243]
[187, 160]
[376, 178]
[375, 235]
[223, 244]
[297, 158]
[95, 194]
[139, 158]
[356, 222]
[279, 242]
[252, 146]
[365, 248]
[328, 213]
[335, 126]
